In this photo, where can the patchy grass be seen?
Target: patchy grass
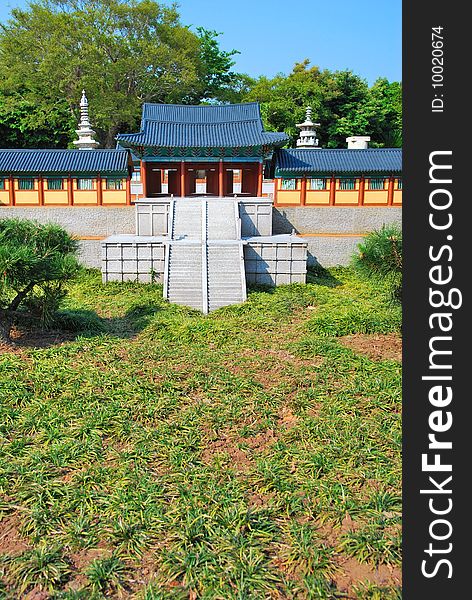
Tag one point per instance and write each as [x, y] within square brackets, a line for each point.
[159, 453]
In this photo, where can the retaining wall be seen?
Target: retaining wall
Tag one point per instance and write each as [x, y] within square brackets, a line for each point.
[275, 262]
[335, 231]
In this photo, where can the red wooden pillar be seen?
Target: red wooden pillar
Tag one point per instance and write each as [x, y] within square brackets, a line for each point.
[303, 191]
[11, 191]
[332, 191]
[143, 178]
[361, 191]
[99, 190]
[221, 191]
[70, 191]
[259, 179]
[128, 190]
[182, 178]
[41, 190]
[390, 191]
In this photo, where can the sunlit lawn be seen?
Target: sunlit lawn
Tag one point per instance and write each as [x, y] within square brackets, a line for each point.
[248, 454]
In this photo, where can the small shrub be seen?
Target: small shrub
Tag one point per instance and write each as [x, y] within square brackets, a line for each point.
[106, 574]
[380, 258]
[35, 262]
[44, 567]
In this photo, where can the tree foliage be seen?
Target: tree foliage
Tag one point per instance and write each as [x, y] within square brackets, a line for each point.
[35, 262]
[342, 102]
[124, 53]
[380, 257]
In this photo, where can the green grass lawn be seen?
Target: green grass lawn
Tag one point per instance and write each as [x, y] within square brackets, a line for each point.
[248, 454]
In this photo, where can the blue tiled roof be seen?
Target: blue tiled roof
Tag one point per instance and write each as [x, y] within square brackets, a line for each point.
[296, 161]
[219, 113]
[64, 161]
[220, 126]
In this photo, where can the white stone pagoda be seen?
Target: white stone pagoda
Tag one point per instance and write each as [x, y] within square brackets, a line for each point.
[307, 137]
[85, 132]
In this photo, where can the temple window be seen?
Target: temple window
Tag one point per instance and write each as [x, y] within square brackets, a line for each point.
[289, 184]
[377, 184]
[114, 184]
[26, 183]
[2, 183]
[316, 184]
[55, 183]
[136, 175]
[347, 184]
[85, 184]
[399, 184]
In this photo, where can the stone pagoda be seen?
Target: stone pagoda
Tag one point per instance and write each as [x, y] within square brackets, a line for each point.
[307, 137]
[85, 132]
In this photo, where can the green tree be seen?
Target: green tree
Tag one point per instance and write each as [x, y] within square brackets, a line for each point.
[342, 103]
[219, 82]
[35, 262]
[124, 53]
[380, 257]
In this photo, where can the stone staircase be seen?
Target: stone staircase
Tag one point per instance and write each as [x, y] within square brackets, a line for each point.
[205, 262]
[183, 284]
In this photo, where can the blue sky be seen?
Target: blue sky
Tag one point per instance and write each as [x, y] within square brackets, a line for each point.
[361, 35]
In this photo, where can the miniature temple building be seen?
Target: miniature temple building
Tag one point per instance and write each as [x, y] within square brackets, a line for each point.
[218, 146]
[204, 200]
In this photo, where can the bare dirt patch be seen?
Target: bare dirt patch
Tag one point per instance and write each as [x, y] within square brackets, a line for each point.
[287, 419]
[81, 560]
[226, 444]
[352, 572]
[376, 346]
[11, 542]
[242, 457]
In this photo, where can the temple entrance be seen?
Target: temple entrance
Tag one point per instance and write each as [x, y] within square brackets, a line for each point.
[202, 182]
[201, 179]
[162, 181]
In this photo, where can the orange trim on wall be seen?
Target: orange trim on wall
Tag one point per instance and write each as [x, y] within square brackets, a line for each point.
[331, 234]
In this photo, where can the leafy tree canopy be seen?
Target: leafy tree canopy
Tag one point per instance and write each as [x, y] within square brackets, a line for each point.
[342, 102]
[124, 53]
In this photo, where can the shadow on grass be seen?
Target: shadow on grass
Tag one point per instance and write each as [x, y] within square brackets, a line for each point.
[316, 274]
[72, 323]
[321, 276]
